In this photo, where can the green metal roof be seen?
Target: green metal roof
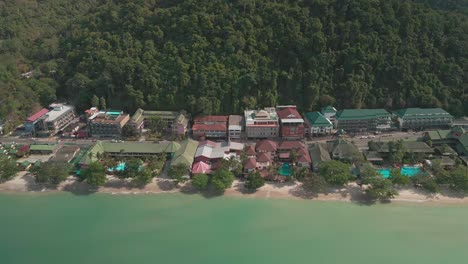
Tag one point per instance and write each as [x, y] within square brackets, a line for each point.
[361, 114]
[97, 148]
[410, 146]
[318, 153]
[316, 119]
[422, 113]
[137, 117]
[42, 147]
[186, 153]
[328, 109]
[162, 114]
[438, 134]
[137, 147]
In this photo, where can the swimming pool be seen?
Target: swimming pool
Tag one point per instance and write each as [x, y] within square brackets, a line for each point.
[409, 171]
[285, 170]
[119, 167]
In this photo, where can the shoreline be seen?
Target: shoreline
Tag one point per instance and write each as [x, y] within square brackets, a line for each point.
[24, 183]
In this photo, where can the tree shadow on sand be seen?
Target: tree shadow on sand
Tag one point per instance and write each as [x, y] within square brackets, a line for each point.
[240, 187]
[80, 188]
[166, 185]
[32, 186]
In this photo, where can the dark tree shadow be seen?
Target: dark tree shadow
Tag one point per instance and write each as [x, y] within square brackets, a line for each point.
[33, 186]
[80, 188]
[240, 187]
[166, 185]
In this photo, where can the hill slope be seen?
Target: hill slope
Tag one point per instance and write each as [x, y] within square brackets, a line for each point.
[221, 56]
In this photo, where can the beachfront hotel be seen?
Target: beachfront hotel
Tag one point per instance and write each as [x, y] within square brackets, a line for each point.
[363, 120]
[262, 123]
[422, 118]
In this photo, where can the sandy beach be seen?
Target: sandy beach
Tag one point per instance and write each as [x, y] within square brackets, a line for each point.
[351, 193]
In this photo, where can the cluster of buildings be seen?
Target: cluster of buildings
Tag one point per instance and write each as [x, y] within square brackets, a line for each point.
[49, 121]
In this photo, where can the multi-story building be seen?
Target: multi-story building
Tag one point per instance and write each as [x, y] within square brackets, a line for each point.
[107, 124]
[59, 117]
[210, 127]
[176, 122]
[235, 126]
[363, 120]
[422, 118]
[261, 123]
[50, 120]
[291, 122]
[317, 125]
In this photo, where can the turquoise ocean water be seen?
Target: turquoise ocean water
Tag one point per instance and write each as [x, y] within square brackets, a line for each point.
[63, 228]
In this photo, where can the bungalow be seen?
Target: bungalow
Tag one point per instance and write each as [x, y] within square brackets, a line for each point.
[318, 153]
[201, 167]
[211, 152]
[341, 149]
[266, 146]
[264, 160]
[210, 127]
[250, 165]
[317, 125]
[249, 151]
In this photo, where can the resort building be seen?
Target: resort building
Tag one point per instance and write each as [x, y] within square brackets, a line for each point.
[249, 151]
[235, 126]
[341, 149]
[176, 122]
[66, 153]
[250, 165]
[266, 146]
[317, 124]
[363, 120]
[329, 112]
[286, 149]
[107, 124]
[211, 152]
[423, 118]
[418, 148]
[261, 123]
[456, 138]
[291, 122]
[179, 152]
[318, 153]
[264, 160]
[59, 117]
[215, 127]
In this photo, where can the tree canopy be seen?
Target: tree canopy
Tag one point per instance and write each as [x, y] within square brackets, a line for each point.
[335, 172]
[222, 179]
[222, 56]
[8, 168]
[95, 174]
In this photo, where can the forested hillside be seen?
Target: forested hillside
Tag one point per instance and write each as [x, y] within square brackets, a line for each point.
[221, 56]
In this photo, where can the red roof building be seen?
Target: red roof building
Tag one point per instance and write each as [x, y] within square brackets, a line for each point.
[250, 151]
[250, 165]
[37, 115]
[210, 127]
[291, 122]
[264, 157]
[266, 146]
[289, 145]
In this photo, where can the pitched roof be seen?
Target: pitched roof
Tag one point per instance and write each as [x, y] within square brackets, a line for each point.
[264, 157]
[266, 145]
[94, 150]
[409, 146]
[201, 119]
[288, 145]
[316, 119]
[235, 120]
[42, 147]
[290, 113]
[186, 153]
[140, 147]
[373, 156]
[213, 127]
[137, 117]
[250, 150]
[422, 113]
[250, 163]
[303, 156]
[328, 109]
[343, 149]
[201, 167]
[438, 134]
[37, 115]
[361, 114]
[319, 153]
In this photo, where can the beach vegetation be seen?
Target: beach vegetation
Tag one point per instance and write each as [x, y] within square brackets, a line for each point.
[222, 179]
[399, 179]
[200, 181]
[314, 182]
[335, 172]
[131, 169]
[95, 174]
[459, 179]
[52, 172]
[143, 177]
[299, 173]
[8, 168]
[380, 189]
[254, 181]
[177, 172]
[427, 182]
